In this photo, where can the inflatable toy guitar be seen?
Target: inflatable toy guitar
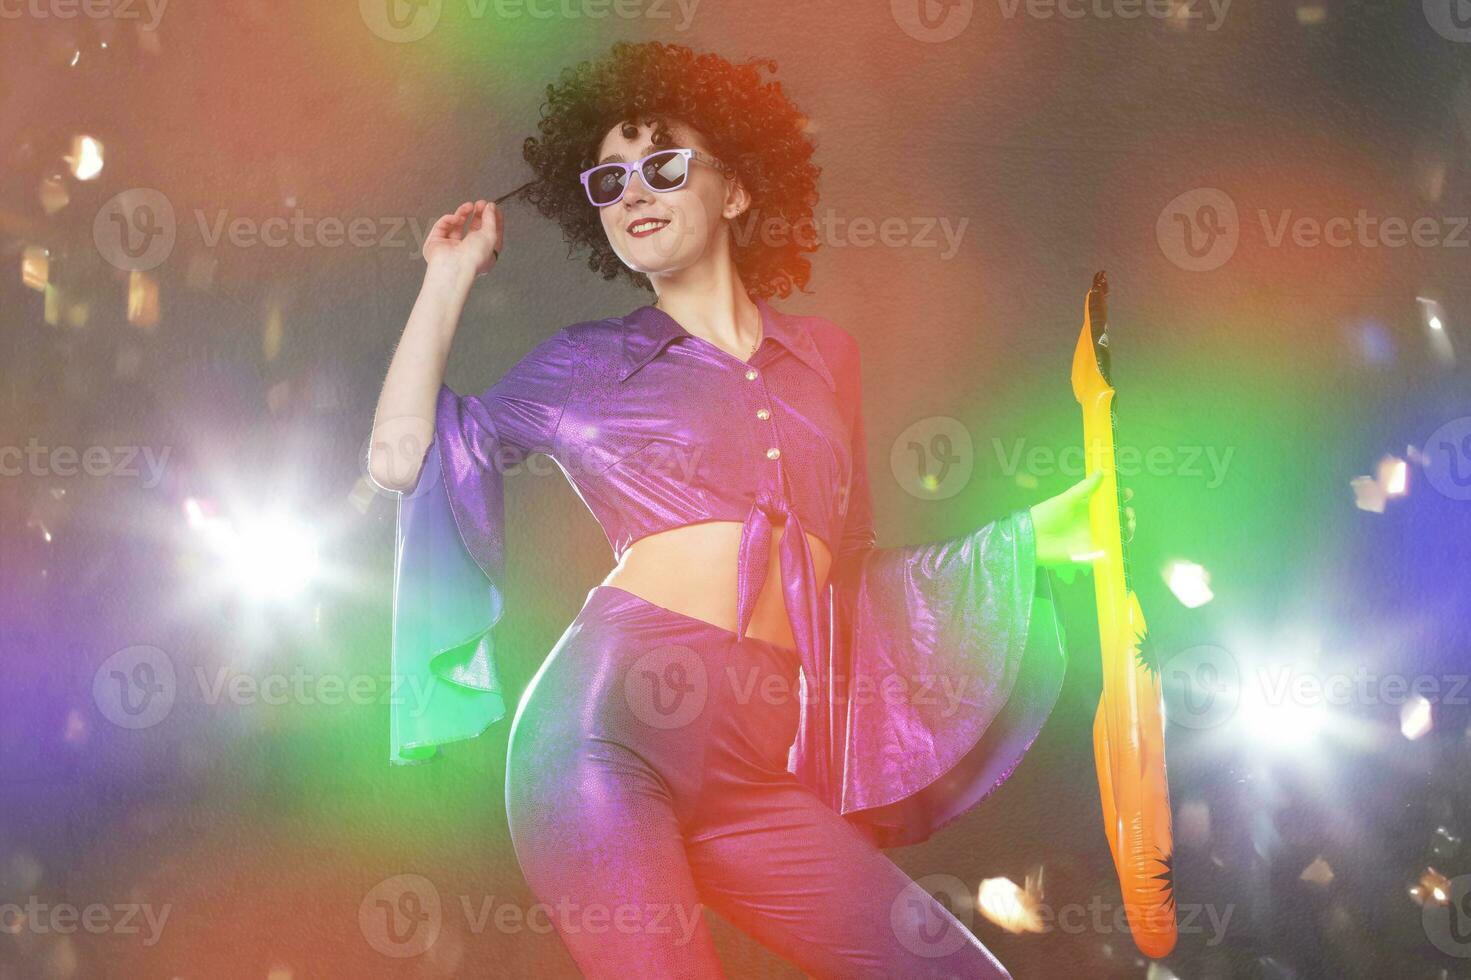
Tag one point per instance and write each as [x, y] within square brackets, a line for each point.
[1128, 730]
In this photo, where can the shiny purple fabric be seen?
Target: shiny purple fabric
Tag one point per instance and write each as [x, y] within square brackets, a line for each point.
[927, 670]
[666, 792]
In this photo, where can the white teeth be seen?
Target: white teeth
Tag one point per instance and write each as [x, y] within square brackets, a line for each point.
[644, 225]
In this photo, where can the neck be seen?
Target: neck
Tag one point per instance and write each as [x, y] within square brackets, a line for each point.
[713, 304]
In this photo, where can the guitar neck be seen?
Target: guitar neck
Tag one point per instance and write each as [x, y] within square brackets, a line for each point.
[1118, 492]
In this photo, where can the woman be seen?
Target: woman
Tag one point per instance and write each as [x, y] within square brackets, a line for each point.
[705, 733]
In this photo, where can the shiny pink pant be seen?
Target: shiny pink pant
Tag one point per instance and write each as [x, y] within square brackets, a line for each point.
[647, 781]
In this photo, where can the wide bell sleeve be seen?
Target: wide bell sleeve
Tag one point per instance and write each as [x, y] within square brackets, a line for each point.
[449, 553]
[949, 656]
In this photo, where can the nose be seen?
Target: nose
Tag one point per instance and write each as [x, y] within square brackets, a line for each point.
[632, 193]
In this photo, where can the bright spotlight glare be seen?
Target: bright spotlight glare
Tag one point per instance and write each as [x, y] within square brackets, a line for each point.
[85, 157]
[1009, 906]
[1281, 721]
[270, 557]
[1398, 478]
[1416, 717]
[1190, 583]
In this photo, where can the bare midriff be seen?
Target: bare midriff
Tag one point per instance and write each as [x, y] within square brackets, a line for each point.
[692, 570]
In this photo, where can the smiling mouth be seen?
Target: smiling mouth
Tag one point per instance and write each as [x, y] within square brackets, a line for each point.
[644, 227]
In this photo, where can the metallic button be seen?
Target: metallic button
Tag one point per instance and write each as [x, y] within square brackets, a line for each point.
[750, 374]
[773, 453]
[762, 414]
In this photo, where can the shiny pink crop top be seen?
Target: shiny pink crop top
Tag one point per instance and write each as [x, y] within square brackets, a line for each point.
[927, 670]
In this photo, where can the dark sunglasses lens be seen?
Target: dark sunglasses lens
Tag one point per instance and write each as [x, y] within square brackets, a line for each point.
[665, 171]
[605, 184]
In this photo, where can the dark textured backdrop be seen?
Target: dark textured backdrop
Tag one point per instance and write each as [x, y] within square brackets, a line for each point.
[1054, 144]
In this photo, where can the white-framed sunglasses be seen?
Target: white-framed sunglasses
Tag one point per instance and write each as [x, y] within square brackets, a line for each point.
[661, 171]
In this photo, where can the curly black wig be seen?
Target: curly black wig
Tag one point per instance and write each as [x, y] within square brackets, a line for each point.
[746, 121]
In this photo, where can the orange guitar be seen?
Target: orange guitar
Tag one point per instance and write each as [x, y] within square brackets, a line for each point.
[1128, 730]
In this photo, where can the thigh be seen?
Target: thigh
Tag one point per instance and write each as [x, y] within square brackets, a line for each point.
[802, 881]
[599, 845]
[594, 799]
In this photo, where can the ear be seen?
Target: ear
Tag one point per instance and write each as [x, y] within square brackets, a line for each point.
[737, 199]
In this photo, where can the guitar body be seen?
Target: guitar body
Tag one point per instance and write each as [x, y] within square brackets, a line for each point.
[1128, 729]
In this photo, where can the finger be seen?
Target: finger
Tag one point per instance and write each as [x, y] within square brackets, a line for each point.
[487, 209]
[446, 221]
[1128, 493]
[464, 218]
[1090, 484]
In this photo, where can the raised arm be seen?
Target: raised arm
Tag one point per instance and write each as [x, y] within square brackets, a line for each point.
[460, 247]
